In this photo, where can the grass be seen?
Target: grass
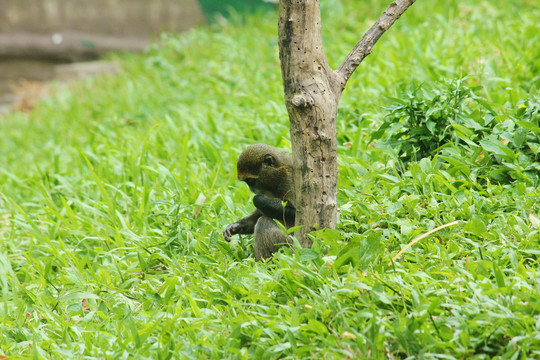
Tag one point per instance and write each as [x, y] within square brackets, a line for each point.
[102, 257]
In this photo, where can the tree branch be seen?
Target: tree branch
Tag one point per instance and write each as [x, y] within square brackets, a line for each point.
[364, 46]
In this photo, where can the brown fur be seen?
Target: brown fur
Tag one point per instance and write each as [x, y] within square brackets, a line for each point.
[268, 172]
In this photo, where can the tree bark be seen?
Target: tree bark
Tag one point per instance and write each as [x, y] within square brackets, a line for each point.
[312, 92]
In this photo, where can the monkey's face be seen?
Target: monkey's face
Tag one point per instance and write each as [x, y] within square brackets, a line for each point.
[252, 183]
[266, 177]
[266, 170]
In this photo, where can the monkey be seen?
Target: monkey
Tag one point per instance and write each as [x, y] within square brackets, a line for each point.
[268, 173]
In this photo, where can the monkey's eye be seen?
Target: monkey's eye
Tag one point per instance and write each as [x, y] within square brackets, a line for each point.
[269, 160]
[250, 181]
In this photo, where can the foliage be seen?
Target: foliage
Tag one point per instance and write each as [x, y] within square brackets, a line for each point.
[102, 254]
[419, 125]
[501, 147]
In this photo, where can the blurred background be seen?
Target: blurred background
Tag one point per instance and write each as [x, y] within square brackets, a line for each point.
[41, 40]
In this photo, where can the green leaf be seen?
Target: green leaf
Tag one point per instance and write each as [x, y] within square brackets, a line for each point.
[476, 225]
[315, 326]
[194, 307]
[535, 221]
[279, 348]
[294, 228]
[360, 251]
[519, 137]
[482, 102]
[308, 254]
[462, 131]
[498, 148]
[499, 276]
[142, 261]
[529, 126]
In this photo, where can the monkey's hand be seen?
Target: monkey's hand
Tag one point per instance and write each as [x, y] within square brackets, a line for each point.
[232, 229]
[245, 225]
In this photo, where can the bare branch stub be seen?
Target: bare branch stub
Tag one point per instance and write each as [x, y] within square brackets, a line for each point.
[365, 45]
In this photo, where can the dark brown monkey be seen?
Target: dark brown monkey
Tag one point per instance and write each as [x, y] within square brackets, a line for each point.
[268, 173]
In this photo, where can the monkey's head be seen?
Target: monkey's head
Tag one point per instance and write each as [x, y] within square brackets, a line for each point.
[266, 170]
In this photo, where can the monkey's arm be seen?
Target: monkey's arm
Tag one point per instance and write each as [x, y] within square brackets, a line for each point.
[274, 209]
[245, 225]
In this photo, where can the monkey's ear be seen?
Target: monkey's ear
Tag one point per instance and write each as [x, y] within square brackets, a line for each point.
[269, 160]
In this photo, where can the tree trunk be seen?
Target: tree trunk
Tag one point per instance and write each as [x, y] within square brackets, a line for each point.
[312, 105]
[312, 92]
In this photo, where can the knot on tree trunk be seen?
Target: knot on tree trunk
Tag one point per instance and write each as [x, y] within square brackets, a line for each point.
[302, 100]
